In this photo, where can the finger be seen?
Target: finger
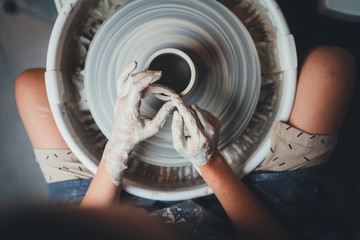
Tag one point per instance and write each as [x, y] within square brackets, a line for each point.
[142, 80]
[134, 103]
[206, 115]
[157, 89]
[207, 119]
[214, 119]
[203, 118]
[160, 118]
[178, 135]
[187, 114]
[124, 75]
[136, 92]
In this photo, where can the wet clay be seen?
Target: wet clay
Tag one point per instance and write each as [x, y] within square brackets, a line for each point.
[91, 17]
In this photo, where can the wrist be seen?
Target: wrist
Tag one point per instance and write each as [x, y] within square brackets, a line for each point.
[116, 157]
[217, 171]
[202, 157]
[117, 150]
[214, 161]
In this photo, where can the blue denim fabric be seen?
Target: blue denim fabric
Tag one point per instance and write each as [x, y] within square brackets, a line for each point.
[71, 193]
[67, 193]
[309, 202]
[312, 203]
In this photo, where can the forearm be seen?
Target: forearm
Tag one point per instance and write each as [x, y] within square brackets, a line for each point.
[129, 128]
[249, 218]
[102, 191]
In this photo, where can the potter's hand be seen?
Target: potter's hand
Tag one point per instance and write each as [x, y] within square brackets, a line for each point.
[129, 127]
[204, 129]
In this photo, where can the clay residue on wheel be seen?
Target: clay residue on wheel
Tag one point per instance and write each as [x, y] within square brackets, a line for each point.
[84, 26]
[89, 18]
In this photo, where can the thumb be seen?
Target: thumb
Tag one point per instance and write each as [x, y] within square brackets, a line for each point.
[159, 120]
[178, 135]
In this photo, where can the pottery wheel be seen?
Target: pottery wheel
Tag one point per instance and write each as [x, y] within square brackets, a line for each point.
[226, 60]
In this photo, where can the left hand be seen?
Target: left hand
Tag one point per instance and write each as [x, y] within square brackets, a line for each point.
[129, 126]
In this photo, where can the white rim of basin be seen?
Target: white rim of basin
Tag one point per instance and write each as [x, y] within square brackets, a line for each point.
[55, 89]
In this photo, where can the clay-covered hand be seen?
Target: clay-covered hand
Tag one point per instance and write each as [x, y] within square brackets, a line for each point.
[129, 126]
[204, 129]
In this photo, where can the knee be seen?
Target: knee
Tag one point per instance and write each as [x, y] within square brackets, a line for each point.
[338, 54]
[333, 58]
[30, 78]
[333, 64]
[28, 83]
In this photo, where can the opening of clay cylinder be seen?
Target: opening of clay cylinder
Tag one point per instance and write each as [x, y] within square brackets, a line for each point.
[178, 71]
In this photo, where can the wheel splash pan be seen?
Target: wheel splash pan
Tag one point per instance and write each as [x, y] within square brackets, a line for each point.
[69, 44]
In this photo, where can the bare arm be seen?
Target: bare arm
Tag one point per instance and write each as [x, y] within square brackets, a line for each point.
[102, 191]
[249, 217]
[129, 129]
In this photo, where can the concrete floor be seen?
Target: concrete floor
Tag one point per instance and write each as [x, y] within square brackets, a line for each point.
[24, 37]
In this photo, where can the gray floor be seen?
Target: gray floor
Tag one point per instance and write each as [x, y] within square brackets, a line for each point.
[24, 37]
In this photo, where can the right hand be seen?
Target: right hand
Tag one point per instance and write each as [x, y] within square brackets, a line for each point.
[204, 128]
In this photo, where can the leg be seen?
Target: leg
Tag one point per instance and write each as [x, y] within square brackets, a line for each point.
[34, 110]
[324, 90]
[57, 163]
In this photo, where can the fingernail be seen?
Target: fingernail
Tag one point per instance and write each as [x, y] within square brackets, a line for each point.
[158, 73]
